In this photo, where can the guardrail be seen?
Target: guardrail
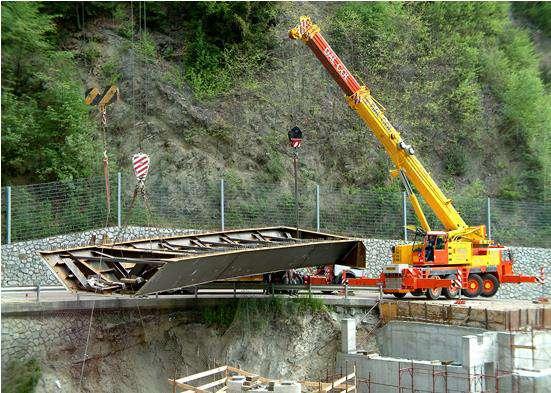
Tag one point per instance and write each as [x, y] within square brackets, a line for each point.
[235, 287]
[38, 289]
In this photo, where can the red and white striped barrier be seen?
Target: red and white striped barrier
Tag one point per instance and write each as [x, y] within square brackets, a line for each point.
[140, 164]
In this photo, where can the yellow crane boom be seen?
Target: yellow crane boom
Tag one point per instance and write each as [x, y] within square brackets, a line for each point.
[408, 167]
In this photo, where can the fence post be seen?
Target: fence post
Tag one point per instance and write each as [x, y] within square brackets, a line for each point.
[404, 215]
[488, 219]
[119, 199]
[222, 203]
[8, 214]
[317, 207]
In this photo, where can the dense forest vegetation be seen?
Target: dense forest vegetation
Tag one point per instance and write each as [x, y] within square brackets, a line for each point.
[211, 88]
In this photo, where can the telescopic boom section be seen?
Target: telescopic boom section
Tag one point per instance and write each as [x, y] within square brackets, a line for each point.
[401, 154]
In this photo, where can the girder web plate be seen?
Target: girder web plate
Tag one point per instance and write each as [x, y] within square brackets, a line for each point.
[164, 263]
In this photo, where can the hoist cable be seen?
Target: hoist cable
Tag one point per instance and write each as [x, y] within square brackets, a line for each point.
[132, 64]
[146, 95]
[87, 345]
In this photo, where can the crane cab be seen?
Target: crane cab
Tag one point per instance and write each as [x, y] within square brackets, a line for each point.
[434, 249]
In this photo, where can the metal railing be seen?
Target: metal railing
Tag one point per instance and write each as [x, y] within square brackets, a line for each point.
[48, 209]
[230, 287]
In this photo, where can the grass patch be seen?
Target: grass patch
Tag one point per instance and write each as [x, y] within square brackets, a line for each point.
[257, 314]
[221, 315]
[21, 376]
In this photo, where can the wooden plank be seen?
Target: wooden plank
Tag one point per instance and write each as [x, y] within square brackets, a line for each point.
[202, 374]
[223, 389]
[186, 386]
[350, 388]
[338, 382]
[314, 384]
[248, 374]
[523, 346]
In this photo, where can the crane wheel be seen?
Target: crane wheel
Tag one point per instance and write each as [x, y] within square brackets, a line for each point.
[474, 286]
[451, 292]
[399, 295]
[490, 285]
[433, 293]
[417, 292]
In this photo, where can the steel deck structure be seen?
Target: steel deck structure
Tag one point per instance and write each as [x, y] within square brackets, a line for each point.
[161, 264]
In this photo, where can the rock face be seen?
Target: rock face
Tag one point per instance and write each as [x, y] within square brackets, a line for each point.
[138, 350]
[23, 266]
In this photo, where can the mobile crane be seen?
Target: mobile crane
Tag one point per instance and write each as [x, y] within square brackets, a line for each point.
[459, 258]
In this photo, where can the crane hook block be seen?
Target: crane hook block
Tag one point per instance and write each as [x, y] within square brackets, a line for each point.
[109, 95]
[295, 137]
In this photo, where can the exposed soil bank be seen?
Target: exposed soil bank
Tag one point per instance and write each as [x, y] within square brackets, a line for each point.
[138, 350]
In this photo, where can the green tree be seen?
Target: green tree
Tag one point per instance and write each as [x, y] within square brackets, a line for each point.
[226, 41]
[464, 79]
[47, 133]
[537, 12]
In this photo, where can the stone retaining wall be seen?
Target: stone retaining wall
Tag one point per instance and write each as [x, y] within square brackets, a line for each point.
[22, 266]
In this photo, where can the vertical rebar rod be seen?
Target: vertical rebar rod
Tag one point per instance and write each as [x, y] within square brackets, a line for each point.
[295, 167]
[222, 223]
[412, 389]
[497, 378]
[8, 215]
[433, 380]
[400, 378]
[119, 199]
[355, 379]
[445, 378]
[369, 382]
[346, 376]
[174, 382]
[405, 215]
[533, 349]
[469, 380]
[317, 207]
[488, 218]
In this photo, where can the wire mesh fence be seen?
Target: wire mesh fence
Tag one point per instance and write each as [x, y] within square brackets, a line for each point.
[266, 205]
[49, 209]
[185, 206]
[359, 212]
